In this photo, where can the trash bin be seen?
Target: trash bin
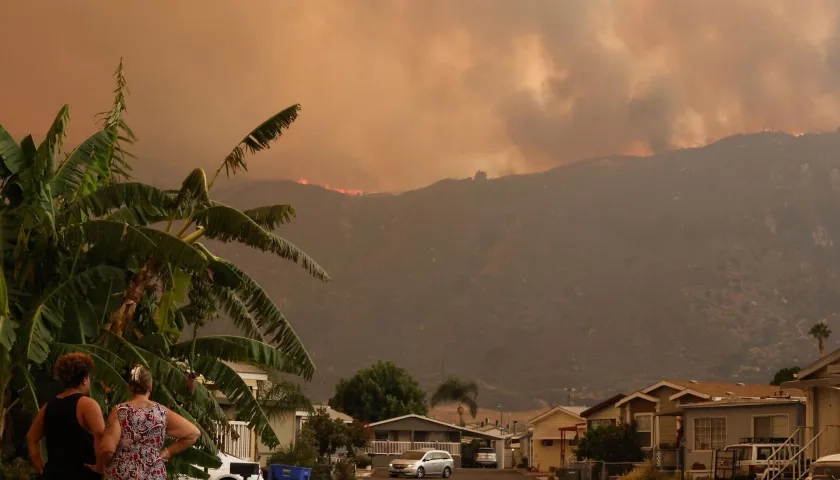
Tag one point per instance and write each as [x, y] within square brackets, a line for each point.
[286, 472]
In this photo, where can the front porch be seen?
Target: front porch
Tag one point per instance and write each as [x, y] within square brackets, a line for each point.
[387, 447]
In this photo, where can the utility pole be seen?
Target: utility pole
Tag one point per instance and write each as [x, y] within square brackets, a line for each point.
[569, 393]
[501, 418]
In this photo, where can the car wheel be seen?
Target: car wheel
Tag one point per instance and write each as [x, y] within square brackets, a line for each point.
[392, 475]
[447, 472]
[421, 472]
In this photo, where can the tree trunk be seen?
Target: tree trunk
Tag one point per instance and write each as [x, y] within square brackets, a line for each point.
[122, 317]
[461, 415]
[821, 346]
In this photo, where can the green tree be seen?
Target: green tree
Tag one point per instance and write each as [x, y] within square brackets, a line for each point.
[85, 269]
[611, 443]
[820, 332]
[460, 392]
[331, 434]
[785, 375]
[378, 392]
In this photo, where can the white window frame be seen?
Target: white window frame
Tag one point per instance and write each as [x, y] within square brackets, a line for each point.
[635, 419]
[711, 439]
[786, 415]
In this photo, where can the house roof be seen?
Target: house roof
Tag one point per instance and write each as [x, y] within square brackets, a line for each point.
[709, 390]
[634, 396]
[744, 402]
[438, 422]
[823, 362]
[244, 368]
[608, 403]
[333, 414]
[573, 411]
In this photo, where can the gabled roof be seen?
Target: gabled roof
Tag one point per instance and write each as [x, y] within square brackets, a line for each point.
[573, 411]
[710, 390]
[640, 395]
[608, 403]
[438, 422]
[823, 362]
[675, 384]
[744, 402]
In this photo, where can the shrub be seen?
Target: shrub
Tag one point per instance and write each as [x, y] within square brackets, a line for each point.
[18, 469]
[344, 470]
[363, 461]
[523, 463]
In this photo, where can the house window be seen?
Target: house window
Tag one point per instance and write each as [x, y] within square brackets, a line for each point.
[709, 434]
[644, 429]
[771, 426]
[601, 423]
[381, 436]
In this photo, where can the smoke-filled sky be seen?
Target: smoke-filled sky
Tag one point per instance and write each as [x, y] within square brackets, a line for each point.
[397, 94]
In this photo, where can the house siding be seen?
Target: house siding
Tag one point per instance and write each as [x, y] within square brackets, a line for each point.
[548, 429]
[739, 424]
[284, 429]
[610, 413]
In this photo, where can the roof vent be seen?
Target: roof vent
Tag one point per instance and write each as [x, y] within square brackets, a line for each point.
[741, 384]
[692, 381]
[729, 393]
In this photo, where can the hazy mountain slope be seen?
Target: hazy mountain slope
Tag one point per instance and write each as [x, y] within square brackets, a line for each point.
[708, 263]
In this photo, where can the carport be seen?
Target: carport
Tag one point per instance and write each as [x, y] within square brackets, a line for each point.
[496, 442]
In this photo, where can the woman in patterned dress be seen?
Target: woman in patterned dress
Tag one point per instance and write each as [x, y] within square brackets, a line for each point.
[132, 447]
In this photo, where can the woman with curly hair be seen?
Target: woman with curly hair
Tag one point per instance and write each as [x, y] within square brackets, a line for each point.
[132, 445]
[72, 424]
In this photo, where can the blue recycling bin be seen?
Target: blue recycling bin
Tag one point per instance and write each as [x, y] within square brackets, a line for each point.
[286, 472]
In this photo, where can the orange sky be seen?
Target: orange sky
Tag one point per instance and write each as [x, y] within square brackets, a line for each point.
[397, 94]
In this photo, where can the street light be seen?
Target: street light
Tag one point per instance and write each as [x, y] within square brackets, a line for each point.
[569, 393]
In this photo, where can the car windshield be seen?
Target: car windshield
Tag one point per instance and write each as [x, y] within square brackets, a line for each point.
[412, 455]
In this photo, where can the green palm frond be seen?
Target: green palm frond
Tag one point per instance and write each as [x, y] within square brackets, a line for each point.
[205, 441]
[239, 393]
[259, 139]
[237, 311]
[80, 171]
[273, 323]
[49, 148]
[140, 242]
[132, 200]
[227, 224]
[454, 390]
[10, 153]
[278, 398]
[237, 349]
[7, 324]
[272, 216]
[48, 313]
[193, 189]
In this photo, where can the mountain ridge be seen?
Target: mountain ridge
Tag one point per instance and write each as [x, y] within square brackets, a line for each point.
[707, 263]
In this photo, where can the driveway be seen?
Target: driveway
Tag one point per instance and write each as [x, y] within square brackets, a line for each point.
[472, 474]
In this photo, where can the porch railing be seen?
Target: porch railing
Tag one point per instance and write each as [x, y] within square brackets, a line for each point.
[239, 447]
[382, 447]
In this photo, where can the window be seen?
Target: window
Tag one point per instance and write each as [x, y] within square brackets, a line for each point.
[742, 453]
[601, 423]
[381, 436]
[771, 426]
[644, 429]
[547, 443]
[709, 433]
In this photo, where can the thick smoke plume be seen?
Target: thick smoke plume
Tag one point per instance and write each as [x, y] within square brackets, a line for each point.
[399, 93]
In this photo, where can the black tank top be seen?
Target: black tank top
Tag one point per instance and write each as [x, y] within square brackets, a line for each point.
[69, 446]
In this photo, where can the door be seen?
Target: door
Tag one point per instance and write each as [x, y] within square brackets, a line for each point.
[432, 464]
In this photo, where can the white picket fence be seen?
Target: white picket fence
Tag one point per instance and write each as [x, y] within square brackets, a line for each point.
[382, 447]
[240, 447]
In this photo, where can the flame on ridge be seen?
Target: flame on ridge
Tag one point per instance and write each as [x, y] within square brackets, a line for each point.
[346, 191]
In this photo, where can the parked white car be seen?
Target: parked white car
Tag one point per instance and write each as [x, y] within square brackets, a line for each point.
[223, 472]
[422, 463]
[825, 468]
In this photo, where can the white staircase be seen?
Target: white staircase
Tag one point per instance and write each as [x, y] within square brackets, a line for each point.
[791, 461]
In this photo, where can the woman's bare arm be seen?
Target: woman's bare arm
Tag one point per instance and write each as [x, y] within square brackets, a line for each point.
[33, 440]
[110, 439]
[94, 423]
[184, 433]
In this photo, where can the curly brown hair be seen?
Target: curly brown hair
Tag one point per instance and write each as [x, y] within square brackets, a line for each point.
[73, 368]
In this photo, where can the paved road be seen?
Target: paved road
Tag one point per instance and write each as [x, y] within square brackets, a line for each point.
[472, 474]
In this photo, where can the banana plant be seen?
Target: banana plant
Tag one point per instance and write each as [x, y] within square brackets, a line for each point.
[90, 263]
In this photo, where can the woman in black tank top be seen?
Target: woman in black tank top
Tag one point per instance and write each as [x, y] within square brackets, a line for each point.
[72, 424]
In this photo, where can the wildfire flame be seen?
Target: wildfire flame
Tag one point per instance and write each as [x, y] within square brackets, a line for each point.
[346, 191]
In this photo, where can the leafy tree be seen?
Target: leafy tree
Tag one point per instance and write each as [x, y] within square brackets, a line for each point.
[457, 391]
[785, 375]
[331, 434]
[302, 453]
[611, 443]
[84, 269]
[378, 392]
[820, 332]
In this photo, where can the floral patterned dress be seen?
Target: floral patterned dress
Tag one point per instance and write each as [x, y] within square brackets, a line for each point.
[141, 440]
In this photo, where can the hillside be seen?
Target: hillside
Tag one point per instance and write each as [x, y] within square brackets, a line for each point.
[707, 263]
